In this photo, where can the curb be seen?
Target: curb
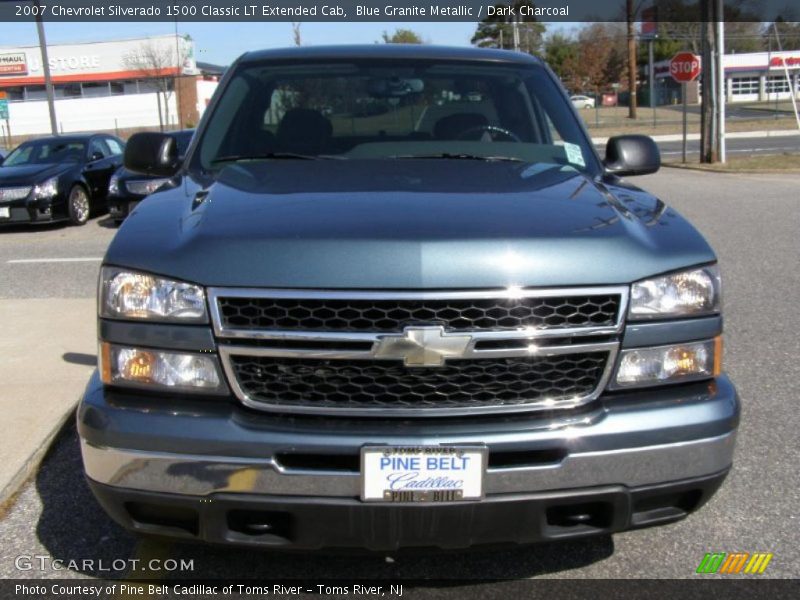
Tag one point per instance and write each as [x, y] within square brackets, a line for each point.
[9, 493]
[676, 137]
[699, 169]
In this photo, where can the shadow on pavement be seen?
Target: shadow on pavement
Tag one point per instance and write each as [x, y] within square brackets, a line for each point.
[73, 527]
[79, 358]
[108, 223]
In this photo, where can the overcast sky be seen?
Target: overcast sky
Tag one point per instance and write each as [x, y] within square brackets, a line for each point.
[220, 43]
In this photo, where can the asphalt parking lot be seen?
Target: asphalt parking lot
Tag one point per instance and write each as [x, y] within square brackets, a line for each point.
[751, 220]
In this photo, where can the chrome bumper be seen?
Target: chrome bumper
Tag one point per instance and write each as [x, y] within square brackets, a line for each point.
[200, 475]
[146, 442]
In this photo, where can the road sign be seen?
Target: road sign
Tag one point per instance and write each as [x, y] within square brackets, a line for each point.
[4, 109]
[684, 67]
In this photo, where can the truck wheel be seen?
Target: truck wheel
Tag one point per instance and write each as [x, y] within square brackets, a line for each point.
[78, 205]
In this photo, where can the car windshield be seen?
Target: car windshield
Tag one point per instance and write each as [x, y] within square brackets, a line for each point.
[46, 151]
[379, 109]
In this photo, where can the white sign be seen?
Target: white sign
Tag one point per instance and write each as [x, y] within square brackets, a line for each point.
[426, 474]
[12, 64]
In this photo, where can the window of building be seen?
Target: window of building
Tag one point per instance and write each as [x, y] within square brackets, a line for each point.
[777, 84]
[14, 93]
[35, 92]
[741, 86]
[71, 90]
[93, 89]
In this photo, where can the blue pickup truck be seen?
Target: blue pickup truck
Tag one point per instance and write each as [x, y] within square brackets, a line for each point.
[393, 298]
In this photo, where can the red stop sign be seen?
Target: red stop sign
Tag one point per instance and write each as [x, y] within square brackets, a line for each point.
[684, 67]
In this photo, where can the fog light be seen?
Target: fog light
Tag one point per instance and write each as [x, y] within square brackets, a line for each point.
[669, 364]
[154, 368]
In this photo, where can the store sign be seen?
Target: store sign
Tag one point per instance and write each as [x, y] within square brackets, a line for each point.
[13, 64]
[791, 61]
[82, 62]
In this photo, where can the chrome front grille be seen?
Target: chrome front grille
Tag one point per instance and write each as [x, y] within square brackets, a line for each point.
[332, 314]
[361, 384]
[9, 194]
[417, 353]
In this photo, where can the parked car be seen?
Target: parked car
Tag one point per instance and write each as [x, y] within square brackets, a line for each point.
[581, 102]
[126, 189]
[358, 331]
[58, 178]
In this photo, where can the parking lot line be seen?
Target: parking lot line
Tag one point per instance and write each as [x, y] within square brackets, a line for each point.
[17, 261]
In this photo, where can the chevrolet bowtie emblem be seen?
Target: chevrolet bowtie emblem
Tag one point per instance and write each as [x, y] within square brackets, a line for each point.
[423, 346]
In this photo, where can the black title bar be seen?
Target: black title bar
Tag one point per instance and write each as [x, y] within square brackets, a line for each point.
[381, 10]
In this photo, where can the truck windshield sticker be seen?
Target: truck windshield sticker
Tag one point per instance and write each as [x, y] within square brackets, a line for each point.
[574, 154]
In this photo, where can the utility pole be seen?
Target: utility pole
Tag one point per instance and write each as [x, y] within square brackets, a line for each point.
[515, 30]
[631, 59]
[48, 83]
[721, 145]
[178, 74]
[709, 151]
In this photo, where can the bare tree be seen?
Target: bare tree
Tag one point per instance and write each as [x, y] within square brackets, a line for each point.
[155, 62]
[298, 40]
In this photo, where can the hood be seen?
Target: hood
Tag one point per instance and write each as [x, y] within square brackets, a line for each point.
[30, 174]
[412, 224]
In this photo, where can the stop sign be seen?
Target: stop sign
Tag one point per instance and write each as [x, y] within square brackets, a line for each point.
[684, 67]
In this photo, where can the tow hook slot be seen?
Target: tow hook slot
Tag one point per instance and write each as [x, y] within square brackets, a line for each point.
[269, 527]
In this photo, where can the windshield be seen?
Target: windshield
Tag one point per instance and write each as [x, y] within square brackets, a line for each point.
[46, 151]
[377, 109]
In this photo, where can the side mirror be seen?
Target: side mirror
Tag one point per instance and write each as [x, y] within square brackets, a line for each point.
[96, 156]
[632, 155]
[152, 153]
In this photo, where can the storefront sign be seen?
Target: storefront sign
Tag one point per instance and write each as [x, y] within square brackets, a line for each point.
[13, 64]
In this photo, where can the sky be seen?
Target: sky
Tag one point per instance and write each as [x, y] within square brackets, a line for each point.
[221, 43]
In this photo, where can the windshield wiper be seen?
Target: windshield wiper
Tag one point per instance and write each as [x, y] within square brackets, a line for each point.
[273, 155]
[460, 156]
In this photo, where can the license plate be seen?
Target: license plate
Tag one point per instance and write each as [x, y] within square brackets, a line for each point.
[5, 212]
[422, 474]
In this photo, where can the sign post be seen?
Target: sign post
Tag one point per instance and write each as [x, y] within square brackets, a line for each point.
[684, 67]
[685, 104]
[4, 114]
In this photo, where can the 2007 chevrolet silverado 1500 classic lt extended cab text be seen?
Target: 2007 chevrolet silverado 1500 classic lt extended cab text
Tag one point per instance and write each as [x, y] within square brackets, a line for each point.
[392, 298]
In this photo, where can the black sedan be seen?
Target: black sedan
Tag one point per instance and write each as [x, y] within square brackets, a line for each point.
[127, 189]
[58, 178]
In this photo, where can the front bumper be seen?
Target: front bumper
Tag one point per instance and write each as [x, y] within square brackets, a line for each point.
[33, 212]
[119, 207]
[212, 470]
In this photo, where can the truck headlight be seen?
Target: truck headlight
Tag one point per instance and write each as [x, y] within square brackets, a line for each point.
[676, 363]
[133, 295]
[143, 367]
[688, 293]
[46, 189]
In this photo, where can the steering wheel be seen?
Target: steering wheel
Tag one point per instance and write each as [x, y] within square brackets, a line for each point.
[491, 130]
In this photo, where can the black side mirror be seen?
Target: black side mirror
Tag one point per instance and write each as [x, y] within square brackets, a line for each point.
[152, 153]
[632, 155]
[96, 156]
